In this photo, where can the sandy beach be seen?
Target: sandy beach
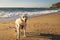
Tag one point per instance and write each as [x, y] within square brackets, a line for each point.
[44, 27]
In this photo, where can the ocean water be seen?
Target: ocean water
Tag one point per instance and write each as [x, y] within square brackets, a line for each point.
[13, 13]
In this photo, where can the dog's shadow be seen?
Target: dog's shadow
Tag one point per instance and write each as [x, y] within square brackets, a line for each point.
[43, 35]
[51, 36]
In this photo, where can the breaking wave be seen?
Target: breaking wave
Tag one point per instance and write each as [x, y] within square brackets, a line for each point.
[15, 14]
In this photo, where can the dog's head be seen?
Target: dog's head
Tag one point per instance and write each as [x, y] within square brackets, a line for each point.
[24, 17]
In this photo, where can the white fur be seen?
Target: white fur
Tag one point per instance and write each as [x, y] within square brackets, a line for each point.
[19, 22]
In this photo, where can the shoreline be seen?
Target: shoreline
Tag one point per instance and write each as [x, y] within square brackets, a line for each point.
[29, 17]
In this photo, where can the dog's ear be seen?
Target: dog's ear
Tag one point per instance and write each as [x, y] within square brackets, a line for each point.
[25, 19]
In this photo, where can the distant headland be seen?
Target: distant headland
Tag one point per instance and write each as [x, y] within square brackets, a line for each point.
[55, 5]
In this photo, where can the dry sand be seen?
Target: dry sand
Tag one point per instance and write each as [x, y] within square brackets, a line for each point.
[45, 27]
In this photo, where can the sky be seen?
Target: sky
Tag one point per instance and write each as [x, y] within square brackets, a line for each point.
[27, 3]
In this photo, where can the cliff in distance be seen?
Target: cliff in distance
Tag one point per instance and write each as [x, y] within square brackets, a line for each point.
[55, 5]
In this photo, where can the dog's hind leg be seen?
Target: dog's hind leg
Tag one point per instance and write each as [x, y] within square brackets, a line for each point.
[18, 32]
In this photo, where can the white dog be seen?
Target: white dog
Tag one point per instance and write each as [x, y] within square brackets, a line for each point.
[21, 24]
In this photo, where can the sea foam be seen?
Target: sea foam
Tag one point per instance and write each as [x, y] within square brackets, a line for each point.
[19, 13]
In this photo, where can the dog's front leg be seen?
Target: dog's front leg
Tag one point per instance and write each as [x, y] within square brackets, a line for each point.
[24, 30]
